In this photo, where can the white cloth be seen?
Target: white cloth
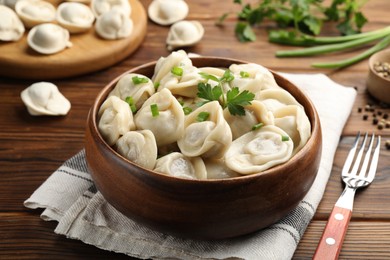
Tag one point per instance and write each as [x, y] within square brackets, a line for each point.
[70, 197]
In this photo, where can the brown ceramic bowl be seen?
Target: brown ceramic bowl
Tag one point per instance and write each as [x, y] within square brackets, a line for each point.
[207, 209]
[379, 86]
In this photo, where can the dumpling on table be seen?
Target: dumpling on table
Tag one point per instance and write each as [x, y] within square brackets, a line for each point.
[115, 119]
[259, 150]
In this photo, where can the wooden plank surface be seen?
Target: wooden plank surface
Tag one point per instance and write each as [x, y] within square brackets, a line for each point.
[31, 148]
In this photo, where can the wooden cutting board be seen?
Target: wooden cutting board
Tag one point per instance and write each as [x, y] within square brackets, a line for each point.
[89, 53]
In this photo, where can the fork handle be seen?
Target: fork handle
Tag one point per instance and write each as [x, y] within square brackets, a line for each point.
[332, 239]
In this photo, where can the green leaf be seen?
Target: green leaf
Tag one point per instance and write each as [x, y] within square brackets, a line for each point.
[313, 24]
[244, 32]
[221, 19]
[208, 76]
[209, 93]
[360, 20]
[236, 100]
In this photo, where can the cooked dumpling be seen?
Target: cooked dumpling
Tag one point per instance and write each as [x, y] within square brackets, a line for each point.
[178, 165]
[217, 169]
[139, 147]
[206, 132]
[254, 114]
[136, 86]
[293, 120]
[274, 99]
[163, 115]
[165, 64]
[245, 73]
[185, 85]
[115, 119]
[259, 150]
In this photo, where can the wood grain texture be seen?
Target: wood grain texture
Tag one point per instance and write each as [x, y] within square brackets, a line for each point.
[31, 148]
[89, 53]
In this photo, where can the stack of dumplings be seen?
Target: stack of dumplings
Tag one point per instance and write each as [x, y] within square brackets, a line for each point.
[163, 124]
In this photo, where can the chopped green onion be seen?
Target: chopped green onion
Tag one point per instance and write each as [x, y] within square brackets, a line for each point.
[154, 109]
[285, 138]
[202, 116]
[177, 71]
[129, 100]
[139, 80]
[257, 126]
[227, 76]
[187, 110]
[244, 74]
[156, 85]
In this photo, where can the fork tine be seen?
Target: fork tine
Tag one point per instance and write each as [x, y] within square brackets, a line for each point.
[359, 156]
[351, 154]
[366, 157]
[374, 161]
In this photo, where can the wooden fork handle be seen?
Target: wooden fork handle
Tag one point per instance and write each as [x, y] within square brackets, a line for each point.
[333, 236]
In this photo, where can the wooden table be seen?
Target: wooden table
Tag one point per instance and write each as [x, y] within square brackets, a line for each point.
[31, 148]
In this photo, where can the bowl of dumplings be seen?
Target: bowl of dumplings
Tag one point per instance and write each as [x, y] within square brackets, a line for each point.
[203, 147]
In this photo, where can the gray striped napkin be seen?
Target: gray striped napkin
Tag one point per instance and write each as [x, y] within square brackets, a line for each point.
[70, 197]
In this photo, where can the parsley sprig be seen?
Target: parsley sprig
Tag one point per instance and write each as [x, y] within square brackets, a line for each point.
[234, 100]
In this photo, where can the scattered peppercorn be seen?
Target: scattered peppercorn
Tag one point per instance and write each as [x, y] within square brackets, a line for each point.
[385, 116]
[380, 126]
[387, 144]
[365, 117]
[387, 125]
[359, 109]
[379, 112]
[375, 121]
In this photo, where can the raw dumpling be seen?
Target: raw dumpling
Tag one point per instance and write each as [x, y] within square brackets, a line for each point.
[114, 24]
[167, 126]
[11, 27]
[260, 74]
[217, 169]
[165, 65]
[178, 165]
[166, 12]
[75, 17]
[99, 7]
[139, 147]
[293, 120]
[136, 86]
[206, 132]
[34, 12]
[115, 119]
[274, 99]
[259, 150]
[254, 114]
[44, 98]
[184, 33]
[185, 85]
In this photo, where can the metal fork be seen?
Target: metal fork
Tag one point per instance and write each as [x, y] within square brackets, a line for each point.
[333, 236]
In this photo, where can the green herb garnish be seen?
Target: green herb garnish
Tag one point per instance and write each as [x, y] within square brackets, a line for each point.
[285, 138]
[156, 85]
[187, 110]
[139, 80]
[244, 74]
[236, 100]
[129, 100]
[257, 126]
[202, 116]
[177, 71]
[154, 110]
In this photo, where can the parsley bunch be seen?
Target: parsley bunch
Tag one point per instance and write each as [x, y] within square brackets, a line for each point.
[234, 99]
[304, 16]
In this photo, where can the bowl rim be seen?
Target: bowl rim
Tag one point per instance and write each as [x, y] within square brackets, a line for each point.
[102, 95]
[376, 57]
